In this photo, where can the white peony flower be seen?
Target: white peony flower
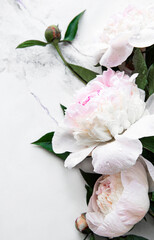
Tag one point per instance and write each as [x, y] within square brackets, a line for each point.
[121, 200]
[106, 120]
[132, 28]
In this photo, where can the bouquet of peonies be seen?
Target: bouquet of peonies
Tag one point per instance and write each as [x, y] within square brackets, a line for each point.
[111, 122]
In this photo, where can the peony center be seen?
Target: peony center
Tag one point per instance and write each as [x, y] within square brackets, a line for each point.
[109, 192]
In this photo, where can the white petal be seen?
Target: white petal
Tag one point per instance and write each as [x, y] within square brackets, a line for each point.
[63, 141]
[116, 156]
[133, 78]
[142, 94]
[134, 204]
[136, 173]
[144, 38]
[110, 226]
[116, 56]
[144, 127]
[150, 104]
[150, 171]
[74, 158]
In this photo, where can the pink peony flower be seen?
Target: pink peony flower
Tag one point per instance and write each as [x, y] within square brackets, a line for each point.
[121, 200]
[106, 119]
[132, 28]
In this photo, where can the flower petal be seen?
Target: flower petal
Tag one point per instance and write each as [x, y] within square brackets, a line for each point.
[63, 141]
[144, 127]
[150, 171]
[116, 56]
[116, 156]
[118, 51]
[142, 93]
[74, 158]
[110, 226]
[144, 38]
[135, 195]
[150, 104]
[92, 205]
[134, 204]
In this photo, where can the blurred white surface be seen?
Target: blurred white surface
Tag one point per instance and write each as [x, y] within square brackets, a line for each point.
[39, 198]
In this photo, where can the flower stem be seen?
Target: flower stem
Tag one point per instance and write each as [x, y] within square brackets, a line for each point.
[86, 236]
[59, 52]
[55, 44]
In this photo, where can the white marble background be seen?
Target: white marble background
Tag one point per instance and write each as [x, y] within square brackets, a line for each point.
[39, 198]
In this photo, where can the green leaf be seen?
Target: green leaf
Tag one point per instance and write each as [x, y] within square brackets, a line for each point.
[149, 55]
[90, 178]
[84, 73]
[89, 193]
[151, 210]
[148, 155]
[46, 143]
[63, 108]
[130, 237]
[31, 43]
[151, 79]
[92, 237]
[152, 197]
[72, 28]
[148, 143]
[141, 68]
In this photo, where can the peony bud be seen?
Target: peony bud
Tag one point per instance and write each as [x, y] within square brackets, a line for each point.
[81, 224]
[52, 33]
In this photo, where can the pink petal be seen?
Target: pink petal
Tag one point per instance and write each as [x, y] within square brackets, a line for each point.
[116, 56]
[118, 51]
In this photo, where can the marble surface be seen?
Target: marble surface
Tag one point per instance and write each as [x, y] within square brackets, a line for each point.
[39, 198]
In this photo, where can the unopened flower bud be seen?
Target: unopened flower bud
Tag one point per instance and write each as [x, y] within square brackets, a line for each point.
[52, 33]
[81, 224]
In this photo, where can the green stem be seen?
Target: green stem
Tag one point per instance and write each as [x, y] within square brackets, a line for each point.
[60, 54]
[86, 236]
[55, 44]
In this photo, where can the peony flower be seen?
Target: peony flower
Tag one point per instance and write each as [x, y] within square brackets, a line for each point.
[132, 28]
[106, 119]
[121, 200]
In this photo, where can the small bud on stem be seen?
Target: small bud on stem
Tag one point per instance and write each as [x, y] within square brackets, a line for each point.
[52, 33]
[81, 224]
